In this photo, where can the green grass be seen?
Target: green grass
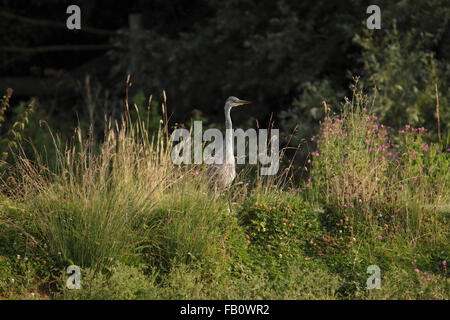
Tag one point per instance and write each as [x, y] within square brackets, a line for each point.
[140, 227]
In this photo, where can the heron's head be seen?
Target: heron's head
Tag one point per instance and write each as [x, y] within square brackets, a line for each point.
[234, 102]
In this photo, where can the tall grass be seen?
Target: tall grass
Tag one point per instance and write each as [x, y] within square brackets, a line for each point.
[378, 180]
[87, 211]
[142, 227]
[125, 197]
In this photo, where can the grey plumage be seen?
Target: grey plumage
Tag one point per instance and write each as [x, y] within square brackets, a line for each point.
[221, 176]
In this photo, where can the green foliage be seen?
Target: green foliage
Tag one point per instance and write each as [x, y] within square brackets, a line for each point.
[258, 52]
[142, 228]
[426, 166]
[23, 272]
[385, 197]
[192, 227]
[364, 175]
[410, 80]
[120, 282]
[420, 285]
[297, 281]
[280, 225]
[148, 112]
[9, 140]
[301, 120]
[87, 211]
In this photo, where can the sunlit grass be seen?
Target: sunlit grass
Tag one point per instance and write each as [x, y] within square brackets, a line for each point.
[141, 227]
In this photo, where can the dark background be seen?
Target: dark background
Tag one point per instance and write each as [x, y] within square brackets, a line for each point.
[285, 56]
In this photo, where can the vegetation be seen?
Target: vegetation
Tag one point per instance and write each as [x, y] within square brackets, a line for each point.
[363, 180]
[13, 135]
[141, 227]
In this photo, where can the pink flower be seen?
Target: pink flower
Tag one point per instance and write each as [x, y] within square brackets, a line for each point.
[416, 270]
[403, 131]
[309, 160]
[444, 263]
[425, 148]
[197, 172]
[380, 237]
[414, 155]
[413, 262]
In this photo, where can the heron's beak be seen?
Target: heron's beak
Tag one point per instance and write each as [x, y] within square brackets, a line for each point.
[241, 102]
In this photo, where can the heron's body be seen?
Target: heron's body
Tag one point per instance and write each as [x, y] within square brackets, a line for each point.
[221, 176]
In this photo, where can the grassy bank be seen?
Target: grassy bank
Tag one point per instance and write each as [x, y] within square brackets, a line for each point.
[140, 227]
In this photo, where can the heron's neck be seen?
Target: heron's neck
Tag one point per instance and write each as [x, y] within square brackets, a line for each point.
[229, 150]
[228, 124]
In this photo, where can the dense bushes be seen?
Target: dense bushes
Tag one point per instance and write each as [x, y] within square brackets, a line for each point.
[281, 225]
[391, 183]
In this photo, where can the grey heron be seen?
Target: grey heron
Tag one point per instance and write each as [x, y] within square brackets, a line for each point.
[221, 176]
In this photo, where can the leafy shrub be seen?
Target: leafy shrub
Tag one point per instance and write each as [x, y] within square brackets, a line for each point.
[365, 177]
[407, 76]
[121, 282]
[409, 284]
[86, 213]
[297, 281]
[192, 226]
[10, 138]
[300, 121]
[282, 225]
